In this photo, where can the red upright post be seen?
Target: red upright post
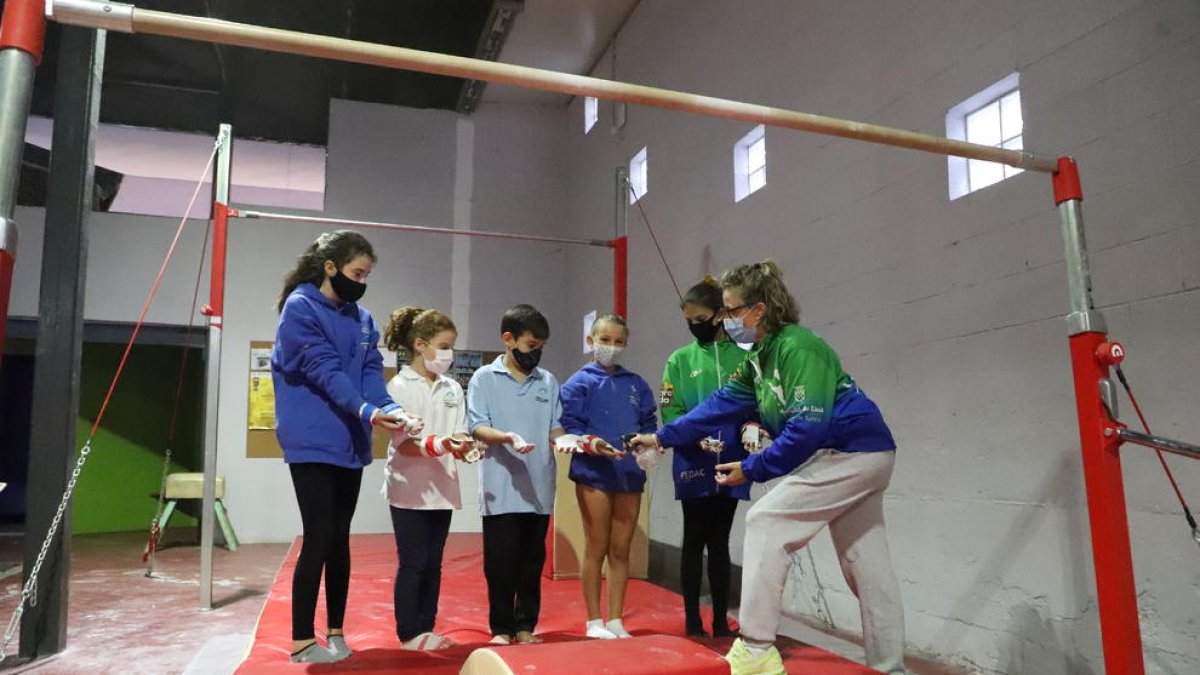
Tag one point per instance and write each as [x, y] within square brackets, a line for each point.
[1113, 557]
[7, 261]
[215, 309]
[24, 27]
[620, 247]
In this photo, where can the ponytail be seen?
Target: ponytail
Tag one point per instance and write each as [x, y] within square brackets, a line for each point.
[705, 294]
[408, 324]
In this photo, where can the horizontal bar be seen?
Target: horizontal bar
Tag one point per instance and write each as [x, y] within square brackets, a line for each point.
[239, 213]
[1165, 444]
[387, 56]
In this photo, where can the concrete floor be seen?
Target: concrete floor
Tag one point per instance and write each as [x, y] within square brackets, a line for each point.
[119, 621]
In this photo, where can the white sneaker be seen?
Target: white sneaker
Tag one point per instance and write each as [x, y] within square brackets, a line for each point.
[617, 628]
[595, 629]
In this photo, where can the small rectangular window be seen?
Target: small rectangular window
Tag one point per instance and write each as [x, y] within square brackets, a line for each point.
[750, 163]
[591, 113]
[638, 177]
[991, 117]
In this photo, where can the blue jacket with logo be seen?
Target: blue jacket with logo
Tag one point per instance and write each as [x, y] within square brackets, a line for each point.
[328, 378]
[608, 405]
[692, 373]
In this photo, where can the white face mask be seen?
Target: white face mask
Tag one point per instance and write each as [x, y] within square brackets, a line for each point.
[441, 362]
[607, 355]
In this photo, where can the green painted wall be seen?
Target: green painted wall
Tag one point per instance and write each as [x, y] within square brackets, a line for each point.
[118, 487]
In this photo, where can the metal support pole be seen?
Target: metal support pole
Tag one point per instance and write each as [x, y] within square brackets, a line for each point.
[1160, 443]
[621, 215]
[1111, 551]
[21, 36]
[55, 413]
[215, 311]
[400, 227]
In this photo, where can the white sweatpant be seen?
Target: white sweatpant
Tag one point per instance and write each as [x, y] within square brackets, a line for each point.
[843, 490]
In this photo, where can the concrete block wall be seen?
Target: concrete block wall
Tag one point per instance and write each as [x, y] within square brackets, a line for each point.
[948, 313]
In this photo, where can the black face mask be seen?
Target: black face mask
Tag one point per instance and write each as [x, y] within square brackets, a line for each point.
[527, 361]
[704, 331]
[346, 288]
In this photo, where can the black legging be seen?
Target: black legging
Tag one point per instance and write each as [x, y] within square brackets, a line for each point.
[706, 524]
[327, 495]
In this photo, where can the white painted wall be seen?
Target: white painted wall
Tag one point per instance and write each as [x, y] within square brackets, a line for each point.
[948, 314]
[501, 167]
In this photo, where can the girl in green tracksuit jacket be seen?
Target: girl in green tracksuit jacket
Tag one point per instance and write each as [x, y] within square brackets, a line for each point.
[693, 372]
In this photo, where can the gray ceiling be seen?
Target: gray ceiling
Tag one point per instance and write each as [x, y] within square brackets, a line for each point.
[190, 86]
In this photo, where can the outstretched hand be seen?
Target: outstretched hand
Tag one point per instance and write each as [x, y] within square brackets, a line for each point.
[639, 442]
[519, 445]
[386, 421]
[731, 474]
[461, 447]
[599, 446]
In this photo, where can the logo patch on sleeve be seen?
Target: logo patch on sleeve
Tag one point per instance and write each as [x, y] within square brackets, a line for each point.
[666, 394]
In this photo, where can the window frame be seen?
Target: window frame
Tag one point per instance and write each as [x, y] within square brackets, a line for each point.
[639, 175]
[743, 172]
[959, 168]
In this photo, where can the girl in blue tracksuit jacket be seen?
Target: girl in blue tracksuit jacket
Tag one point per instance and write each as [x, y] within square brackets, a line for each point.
[607, 401]
[329, 391]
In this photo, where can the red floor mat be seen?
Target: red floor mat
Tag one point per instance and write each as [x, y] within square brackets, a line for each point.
[370, 627]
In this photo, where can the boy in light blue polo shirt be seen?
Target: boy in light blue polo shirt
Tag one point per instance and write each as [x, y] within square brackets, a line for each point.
[513, 406]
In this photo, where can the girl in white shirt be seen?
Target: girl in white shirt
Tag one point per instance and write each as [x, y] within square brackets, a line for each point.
[421, 479]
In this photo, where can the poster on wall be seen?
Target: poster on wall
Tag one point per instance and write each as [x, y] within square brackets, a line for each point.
[260, 359]
[261, 414]
[466, 362]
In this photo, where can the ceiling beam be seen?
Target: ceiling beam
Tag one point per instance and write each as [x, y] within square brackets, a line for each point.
[491, 41]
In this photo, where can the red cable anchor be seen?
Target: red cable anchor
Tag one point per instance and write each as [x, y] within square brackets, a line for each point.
[1110, 353]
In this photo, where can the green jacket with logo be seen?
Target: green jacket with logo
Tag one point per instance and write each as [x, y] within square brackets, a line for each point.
[795, 383]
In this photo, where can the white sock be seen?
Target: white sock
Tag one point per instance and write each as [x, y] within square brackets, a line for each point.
[617, 628]
[595, 629]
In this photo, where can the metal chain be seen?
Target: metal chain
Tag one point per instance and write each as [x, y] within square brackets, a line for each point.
[29, 593]
[155, 526]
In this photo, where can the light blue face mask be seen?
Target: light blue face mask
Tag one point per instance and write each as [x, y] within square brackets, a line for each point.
[738, 332]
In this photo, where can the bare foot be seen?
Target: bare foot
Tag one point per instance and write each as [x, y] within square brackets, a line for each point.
[501, 640]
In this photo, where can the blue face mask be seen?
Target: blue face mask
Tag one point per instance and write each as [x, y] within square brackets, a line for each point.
[738, 332]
